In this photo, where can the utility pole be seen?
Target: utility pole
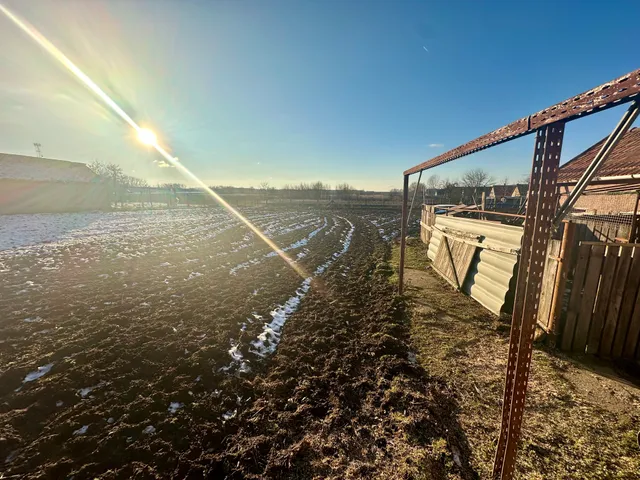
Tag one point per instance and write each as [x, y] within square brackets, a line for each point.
[38, 150]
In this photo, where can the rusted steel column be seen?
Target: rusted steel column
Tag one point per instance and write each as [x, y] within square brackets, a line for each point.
[541, 205]
[403, 233]
[561, 280]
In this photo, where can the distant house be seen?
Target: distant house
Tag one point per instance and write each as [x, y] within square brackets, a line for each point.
[42, 185]
[500, 191]
[613, 189]
[520, 190]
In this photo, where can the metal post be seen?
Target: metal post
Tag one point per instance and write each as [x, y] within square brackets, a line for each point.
[561, 279]
[607, 147]
[540, 208]
[403, 233]
[413, 199]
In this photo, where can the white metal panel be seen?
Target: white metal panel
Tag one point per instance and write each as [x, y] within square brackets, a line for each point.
[491, 272]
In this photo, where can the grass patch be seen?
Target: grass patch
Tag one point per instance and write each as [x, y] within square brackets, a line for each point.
[577, 423]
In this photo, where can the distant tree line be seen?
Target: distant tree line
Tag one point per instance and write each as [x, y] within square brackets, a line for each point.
[115, 174]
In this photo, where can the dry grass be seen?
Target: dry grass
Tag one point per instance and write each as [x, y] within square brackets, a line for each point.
[578, 423]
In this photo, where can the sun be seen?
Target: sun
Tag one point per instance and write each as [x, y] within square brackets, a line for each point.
[146, 136]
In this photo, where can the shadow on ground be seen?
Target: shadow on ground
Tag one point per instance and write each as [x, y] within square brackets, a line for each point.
[581, 419]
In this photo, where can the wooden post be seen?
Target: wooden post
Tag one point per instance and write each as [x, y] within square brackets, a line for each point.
[483, 203]
[403, 233]
[560, 283]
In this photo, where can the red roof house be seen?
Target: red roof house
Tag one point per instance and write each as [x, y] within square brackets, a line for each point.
[613, 189]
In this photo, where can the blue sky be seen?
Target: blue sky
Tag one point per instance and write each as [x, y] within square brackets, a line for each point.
[288, 91]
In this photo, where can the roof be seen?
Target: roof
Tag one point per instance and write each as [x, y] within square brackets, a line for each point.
[23, 167]
[624, 160]
[503, 190]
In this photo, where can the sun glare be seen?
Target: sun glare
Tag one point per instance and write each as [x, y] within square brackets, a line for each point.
[146, 136]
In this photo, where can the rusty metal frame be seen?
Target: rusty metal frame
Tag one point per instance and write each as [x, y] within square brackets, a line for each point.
[607, 147]
[611, 94]
[542, 202]
[541, 205]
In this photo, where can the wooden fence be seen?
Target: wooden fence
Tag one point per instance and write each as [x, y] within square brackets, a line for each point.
[603, 314]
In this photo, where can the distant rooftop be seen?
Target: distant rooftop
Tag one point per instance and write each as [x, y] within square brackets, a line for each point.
[23, 167]
[623, 161]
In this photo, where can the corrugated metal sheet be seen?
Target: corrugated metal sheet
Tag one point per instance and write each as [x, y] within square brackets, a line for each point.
[491, 272]
[624, 160]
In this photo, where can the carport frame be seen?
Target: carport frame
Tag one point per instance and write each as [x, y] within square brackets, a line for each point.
[542, 203]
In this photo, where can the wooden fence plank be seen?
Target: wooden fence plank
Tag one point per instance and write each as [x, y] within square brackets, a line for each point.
[615, 301]
[588, 298]
[603, 299]
[576, 295]
[453, 260]
[631, 340]
[628, 302]
[548, 282]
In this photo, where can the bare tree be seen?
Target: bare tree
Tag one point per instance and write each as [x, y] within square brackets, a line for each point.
[318, 188]
[432, 182]
[265, 188]
[344, 191]
[476, 179]
[448, 187]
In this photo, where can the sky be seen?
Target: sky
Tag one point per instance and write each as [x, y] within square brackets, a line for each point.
[357, 91]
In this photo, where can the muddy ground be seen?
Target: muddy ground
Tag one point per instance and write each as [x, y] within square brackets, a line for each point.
[582, 418]
[155, 346]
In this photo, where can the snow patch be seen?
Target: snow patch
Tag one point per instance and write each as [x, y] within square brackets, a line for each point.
[32, 320]
[41, 372]
[149, 429]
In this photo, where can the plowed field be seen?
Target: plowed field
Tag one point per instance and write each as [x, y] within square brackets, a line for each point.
[178, 344]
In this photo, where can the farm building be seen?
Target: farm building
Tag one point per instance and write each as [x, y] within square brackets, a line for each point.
[42, 185]
[501, 191]
[614, 188]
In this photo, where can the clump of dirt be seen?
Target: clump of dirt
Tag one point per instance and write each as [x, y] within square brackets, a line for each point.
[345, 398]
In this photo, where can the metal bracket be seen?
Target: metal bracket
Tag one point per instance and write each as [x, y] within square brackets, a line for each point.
[607, 147]
[541, 204]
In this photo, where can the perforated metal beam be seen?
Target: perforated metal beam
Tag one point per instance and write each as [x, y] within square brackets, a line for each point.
[613, 93]
[541, 204]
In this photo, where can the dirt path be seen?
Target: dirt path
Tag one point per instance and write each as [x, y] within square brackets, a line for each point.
[578, 423]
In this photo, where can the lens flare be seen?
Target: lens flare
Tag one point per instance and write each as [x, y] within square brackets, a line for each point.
[145, 135]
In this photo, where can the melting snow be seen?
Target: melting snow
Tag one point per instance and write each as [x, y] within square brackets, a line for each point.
[149, 429]
[229, 415]
[175, 406]
[42, 371]
[83, 392]
[32, 319]
[82, 430]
